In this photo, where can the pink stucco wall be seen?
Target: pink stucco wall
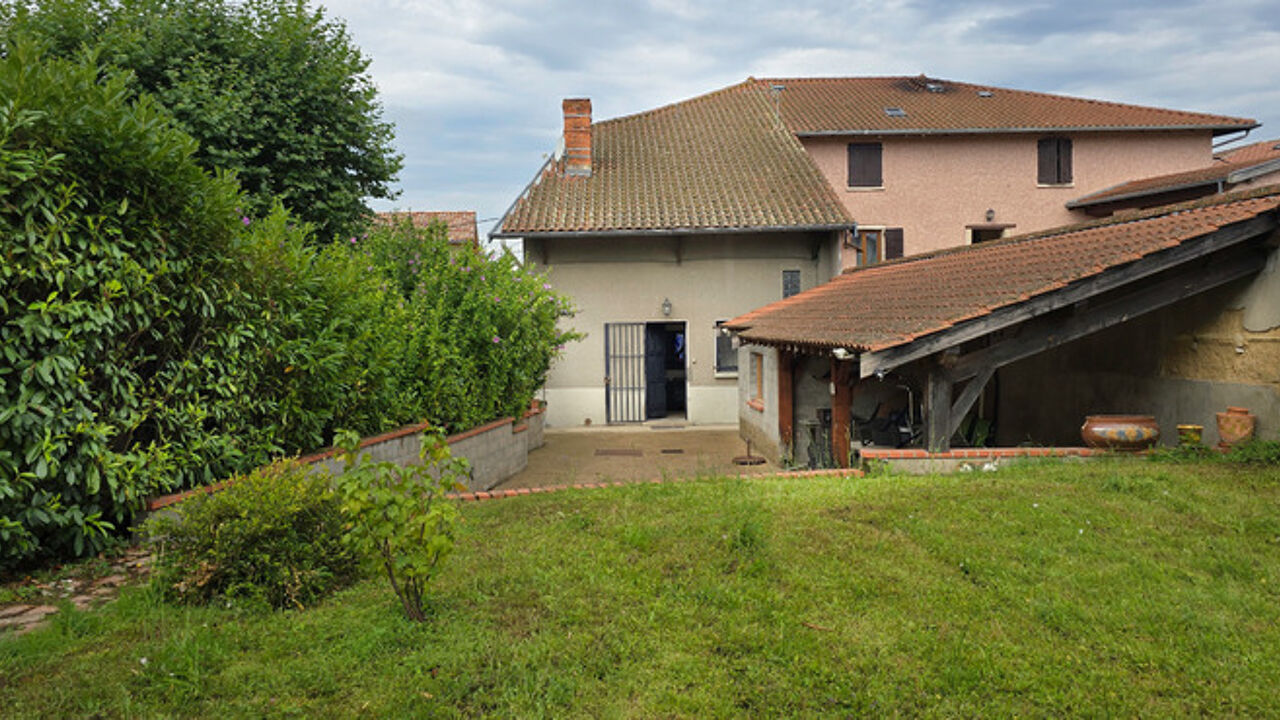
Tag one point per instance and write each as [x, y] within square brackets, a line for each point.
[936, 185]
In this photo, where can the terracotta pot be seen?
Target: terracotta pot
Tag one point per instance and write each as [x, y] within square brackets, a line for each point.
[1235, 426]
[1120, 432]
[1190, 434]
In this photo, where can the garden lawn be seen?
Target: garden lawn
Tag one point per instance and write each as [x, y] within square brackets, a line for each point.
[1115, 587]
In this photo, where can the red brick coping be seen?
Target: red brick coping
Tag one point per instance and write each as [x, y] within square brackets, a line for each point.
[978, 453]
[518, 492]
[156, 503]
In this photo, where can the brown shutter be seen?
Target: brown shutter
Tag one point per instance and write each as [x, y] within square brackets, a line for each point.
[1046, 150]
[892, 243]
[864, 165]
[1064, 160]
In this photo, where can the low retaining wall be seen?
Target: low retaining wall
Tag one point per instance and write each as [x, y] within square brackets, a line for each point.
[920, 462]
[496, 451]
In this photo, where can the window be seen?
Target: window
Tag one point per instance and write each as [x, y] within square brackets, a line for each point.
[726, 353]
[979, 234]
[875, 244]
[790, 283]
[864, 165]
[1054, 161]
[757, 382]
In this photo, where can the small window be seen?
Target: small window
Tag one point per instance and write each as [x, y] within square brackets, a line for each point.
[726, 353]
[790, 283]
[875, 244]
[1054, 161]
[865, 165]
[757, 379]
[981, 235]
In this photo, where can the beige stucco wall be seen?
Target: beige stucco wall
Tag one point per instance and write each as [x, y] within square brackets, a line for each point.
[706, 278]
[1181, 364]
[758, 422]
[936, 185]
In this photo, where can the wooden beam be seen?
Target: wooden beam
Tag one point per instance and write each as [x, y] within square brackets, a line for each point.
[872, 363]
[1044, 334]
[967, 397]
[841, 411]
[786, 399]
[937, 411]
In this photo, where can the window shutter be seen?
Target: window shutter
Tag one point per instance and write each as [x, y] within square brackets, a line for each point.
[892, 243]
[865, 165]
[1046, 150]
[1064, 160]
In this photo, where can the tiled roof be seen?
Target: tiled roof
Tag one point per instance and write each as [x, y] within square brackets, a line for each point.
[1256, 152]
[461, 223]
[861, 105]
[1225, 166]
[717, 161]
[882, 306]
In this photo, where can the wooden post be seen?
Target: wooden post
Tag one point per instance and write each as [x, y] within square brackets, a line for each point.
[937, 411]
[786, 400]
[841, 411]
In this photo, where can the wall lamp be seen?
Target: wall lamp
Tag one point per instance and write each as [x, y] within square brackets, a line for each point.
[991, 214]
[842, 353]
[666, 307]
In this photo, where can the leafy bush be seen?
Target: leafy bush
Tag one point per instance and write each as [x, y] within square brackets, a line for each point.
[155, 336]
[272, 537]
[481, 332]
[116, 247]
[399, 517]
[272, 90]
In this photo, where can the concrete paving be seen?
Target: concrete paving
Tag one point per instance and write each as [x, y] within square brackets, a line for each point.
[634, 452]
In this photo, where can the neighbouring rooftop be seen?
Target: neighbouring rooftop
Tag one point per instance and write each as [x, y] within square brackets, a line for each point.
[914, 105]
[461, 223]
[1228, 168]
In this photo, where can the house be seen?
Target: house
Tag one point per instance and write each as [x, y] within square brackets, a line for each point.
[1172, 311]
[460, 224]
[1253, 165]
[659, 226]
[923, 163]
[664, 224]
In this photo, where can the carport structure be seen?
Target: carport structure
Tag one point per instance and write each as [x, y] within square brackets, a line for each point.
[952, 319]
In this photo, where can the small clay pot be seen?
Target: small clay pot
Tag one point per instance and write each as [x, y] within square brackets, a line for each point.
[1235, 426]
[1120, 432]
[1189, 435]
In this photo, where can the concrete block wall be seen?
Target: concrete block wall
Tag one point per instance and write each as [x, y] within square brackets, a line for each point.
[496, 451]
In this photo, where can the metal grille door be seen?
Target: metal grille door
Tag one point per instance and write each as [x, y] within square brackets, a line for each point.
[624, 372]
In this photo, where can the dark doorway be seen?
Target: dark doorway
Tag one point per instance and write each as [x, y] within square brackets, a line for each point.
[665, 369]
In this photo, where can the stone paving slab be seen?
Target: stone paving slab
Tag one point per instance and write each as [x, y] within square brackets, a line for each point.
[578, 455]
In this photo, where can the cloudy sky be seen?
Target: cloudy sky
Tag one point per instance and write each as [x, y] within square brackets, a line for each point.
[474, 86]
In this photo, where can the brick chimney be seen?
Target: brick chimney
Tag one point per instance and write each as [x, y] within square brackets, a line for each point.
[577, 136]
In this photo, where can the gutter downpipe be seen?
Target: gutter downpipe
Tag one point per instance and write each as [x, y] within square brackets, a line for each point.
[1228, 141]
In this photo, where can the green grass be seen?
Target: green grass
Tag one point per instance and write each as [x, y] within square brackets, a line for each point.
[1103, 588]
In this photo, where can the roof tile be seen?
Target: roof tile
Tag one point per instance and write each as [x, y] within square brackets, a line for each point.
[1224, 165]
[461, 223]
[881, 306]
[857, 105]
[718, 161]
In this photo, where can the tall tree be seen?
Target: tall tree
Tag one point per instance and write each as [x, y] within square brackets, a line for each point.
[271, 90]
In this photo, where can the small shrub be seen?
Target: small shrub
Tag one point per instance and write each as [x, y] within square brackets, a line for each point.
[1255, 452]
[273, 537]
[399, 517]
